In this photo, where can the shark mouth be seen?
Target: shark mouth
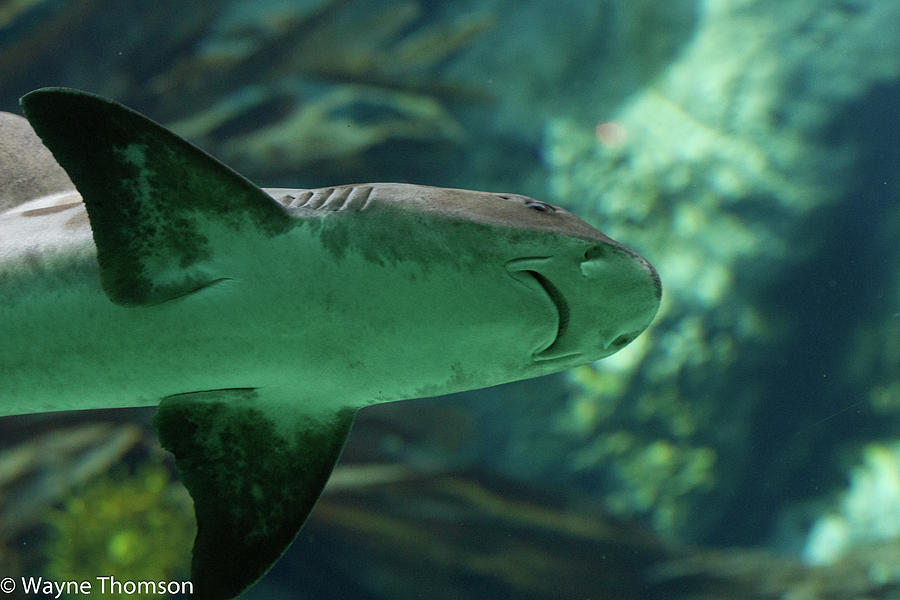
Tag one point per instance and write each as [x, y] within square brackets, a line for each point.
[520, 271]
[562, 307]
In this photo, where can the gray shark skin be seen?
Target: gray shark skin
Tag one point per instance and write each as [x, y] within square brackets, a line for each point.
[137, 270]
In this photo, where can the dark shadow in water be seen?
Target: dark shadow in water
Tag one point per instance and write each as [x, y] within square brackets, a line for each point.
[811, 408]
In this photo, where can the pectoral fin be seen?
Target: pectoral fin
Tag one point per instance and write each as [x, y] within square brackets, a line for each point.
[255, 464]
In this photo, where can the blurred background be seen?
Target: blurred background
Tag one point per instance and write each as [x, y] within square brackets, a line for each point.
[746, 446]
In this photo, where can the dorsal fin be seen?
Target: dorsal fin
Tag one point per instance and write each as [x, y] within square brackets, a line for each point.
[158, 205]
[27, 169]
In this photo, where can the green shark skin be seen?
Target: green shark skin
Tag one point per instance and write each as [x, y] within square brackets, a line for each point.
[259, 321]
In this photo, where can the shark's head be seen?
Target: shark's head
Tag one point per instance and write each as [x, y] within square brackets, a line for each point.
[603, 294]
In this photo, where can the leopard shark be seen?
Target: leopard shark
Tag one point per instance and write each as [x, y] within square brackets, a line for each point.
[137, 270]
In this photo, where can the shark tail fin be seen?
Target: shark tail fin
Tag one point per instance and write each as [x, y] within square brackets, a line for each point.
[160, 208]
[255, 465]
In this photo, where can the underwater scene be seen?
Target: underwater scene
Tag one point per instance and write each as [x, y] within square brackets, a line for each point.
[744, 445]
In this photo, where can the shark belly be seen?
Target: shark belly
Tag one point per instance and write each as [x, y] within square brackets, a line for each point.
[343, 332]
[64, 346]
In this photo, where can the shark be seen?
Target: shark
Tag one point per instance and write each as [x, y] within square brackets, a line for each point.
[138, 270]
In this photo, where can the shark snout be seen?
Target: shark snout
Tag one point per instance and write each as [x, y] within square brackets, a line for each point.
[620, 292]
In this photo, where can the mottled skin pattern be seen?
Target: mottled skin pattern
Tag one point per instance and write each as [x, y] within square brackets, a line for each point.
[260, 320]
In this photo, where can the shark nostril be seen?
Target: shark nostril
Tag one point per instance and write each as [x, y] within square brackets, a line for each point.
[599, 251]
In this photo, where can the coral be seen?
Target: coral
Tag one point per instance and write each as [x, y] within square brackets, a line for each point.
[713, 173]
[868, 511]
[326, 128]
[342, 41]
[651, 464]
[234, 79]
[37, 472]
[375, 83]
[137, 527]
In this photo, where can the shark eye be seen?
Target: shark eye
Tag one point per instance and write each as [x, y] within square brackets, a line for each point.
[540, 206]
